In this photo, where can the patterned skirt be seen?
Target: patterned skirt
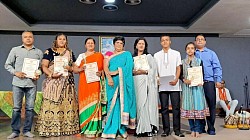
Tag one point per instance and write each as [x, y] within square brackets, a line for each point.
[193, 103]
[59, 118]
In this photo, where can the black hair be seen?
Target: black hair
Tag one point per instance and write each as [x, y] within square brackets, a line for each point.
[200, 35]
[119, 38]
[89, 38]
[54, 44]
[135, 44]
[164, 35]
[189, 44]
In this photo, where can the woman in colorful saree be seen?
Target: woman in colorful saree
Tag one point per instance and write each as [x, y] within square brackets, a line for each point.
[145, 72]
[59, 110]
[121, 106]
[89, 97]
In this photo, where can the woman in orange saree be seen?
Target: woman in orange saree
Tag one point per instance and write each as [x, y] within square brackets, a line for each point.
[90, 110]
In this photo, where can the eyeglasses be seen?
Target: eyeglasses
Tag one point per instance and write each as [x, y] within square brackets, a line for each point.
[200, 39]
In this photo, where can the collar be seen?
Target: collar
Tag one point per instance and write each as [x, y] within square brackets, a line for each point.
[204, 50]
[33, 47]
[168, 50]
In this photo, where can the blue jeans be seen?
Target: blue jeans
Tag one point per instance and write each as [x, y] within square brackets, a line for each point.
[195, 125]
[30, 96]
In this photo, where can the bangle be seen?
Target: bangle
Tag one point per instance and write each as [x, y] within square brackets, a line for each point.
[50, 75]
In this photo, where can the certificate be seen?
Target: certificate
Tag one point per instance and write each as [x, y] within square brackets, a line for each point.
[141, 62]
[195, 75]
[164, 80]
[30, 66]
[90, 72]
[59, 63]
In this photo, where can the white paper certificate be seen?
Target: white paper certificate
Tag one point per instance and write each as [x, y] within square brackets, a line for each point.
[164, 80]
[141, 63]
[90, 72]
[195, 75]
[59, 63]
[30, 66]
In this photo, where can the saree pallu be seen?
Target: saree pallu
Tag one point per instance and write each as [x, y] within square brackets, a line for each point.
[57, 118]
[90, 109]
[121, 102]
[194, 105]
[147, 98]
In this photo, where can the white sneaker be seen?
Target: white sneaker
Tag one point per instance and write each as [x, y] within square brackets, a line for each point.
[13, 135]
[28, 134]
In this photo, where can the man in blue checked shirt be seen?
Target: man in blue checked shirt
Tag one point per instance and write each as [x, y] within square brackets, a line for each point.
[212, 79]
[22, 85]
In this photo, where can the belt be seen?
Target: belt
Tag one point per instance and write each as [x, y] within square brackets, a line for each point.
[206, 81]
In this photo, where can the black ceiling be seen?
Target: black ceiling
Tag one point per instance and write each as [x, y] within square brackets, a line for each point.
[148, 13]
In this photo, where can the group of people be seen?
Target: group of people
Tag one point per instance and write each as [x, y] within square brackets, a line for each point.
[127, 92]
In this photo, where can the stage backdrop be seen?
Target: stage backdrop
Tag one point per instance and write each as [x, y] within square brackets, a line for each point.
[234, 55]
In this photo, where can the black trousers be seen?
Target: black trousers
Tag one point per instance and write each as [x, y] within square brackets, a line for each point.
[210, 94]
[175, 101]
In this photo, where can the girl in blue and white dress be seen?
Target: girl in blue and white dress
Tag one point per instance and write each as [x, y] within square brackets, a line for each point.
[194, 106]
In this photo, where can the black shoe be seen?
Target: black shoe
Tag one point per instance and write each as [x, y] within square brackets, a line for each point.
[211, 132]
[164, 134]
[149, 134]
[203, 131]
[138, 135]
[179, 134]
[154, 130]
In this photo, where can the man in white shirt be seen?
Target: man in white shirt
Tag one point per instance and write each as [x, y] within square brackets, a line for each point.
[168, 65]
[223, 98]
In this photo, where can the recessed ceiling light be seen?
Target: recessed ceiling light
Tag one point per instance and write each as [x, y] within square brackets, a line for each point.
[110, 7]
[110, 1]
[132, 2]
[88, 1]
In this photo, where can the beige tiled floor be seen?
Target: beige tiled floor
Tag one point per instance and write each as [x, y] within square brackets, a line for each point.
[222, 133]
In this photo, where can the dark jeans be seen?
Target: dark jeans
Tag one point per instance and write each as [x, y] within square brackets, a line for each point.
[30, 96]
[210, 94]
[194, 125]
[175, 101]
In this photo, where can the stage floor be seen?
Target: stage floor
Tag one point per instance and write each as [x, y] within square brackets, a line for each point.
[222, 133]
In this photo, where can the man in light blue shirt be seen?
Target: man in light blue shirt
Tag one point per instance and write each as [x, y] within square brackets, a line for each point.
[212, 78]
[21, 85]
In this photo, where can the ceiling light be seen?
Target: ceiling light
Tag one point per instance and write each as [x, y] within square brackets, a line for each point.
[110, 7]
[132, 2]
[110, 1]
[88, 1]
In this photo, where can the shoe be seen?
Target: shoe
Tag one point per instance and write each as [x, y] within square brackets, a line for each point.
[138, 135]
[203, 131]
[164, 134]
[13, 135]
[28, 134]
[131, 131]
[154, 132]
[179, 134]
[149, 134]
[211, 133]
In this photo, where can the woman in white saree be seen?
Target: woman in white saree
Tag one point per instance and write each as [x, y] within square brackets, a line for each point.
[145, 71]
